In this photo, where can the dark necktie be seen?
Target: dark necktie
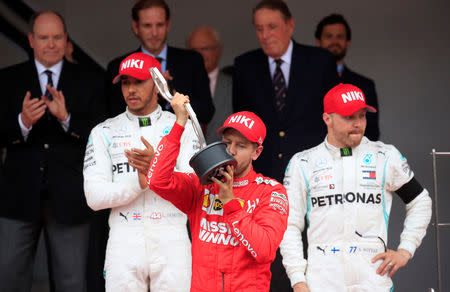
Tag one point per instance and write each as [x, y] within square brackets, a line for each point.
[159, 59]
[279, 86]
[49, 82]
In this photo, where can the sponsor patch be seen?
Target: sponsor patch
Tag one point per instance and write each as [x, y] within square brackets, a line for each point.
[321, 162]
[211, 209]
[89, 155]
[123, 167]
[206, 201]
[369, 174]
[260, 180]
[350, 197]
[144, 122]
[243, 240]
[279, 202]
[124, 215]
[240, 183]
[241, 202]
[155, 215]
[279, 196]
[346, 152]
[137, 216]
[251, 205]
[216, 233]
[278, 208]
[323, 177]
[122, 144]
[166, 130]
[406, 169]
[368, 159]
[218, 205]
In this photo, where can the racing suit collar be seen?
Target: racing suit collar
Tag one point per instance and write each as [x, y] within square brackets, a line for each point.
[243, 181]
[335, 151]
[154, 116]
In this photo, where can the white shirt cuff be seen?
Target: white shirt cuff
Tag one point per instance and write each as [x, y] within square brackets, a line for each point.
[25, 131]
[66, 123]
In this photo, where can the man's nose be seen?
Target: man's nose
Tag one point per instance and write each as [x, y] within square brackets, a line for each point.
[131, 88]
[232, 149]
[358, 123]
[265, 33]
[154, 31]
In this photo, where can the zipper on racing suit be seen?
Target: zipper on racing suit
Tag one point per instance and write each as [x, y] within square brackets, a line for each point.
[223, 282]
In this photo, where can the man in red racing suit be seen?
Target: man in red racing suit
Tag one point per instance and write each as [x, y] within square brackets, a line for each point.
[237, 223]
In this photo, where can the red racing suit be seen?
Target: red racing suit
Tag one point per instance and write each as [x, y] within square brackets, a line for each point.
[234, 244]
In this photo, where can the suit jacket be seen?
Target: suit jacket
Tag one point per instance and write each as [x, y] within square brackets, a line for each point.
[312, 74]
[189, 78]
[48, 148]
[368, 87]
[223, 104]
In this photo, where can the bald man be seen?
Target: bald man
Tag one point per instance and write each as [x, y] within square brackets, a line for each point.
[206, 40]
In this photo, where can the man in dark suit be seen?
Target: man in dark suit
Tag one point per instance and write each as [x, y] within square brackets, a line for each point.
[283, 83]
[333, 33]
[183, 69]
[50, 107]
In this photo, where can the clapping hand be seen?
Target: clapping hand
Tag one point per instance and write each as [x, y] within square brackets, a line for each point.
[141, 159]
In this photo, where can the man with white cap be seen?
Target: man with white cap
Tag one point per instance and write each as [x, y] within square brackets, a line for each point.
[344, 188]
[148, 245]
[238, 222]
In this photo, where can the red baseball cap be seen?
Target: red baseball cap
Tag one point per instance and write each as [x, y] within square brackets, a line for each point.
[137, 65]
[345, 99]
[248, 124]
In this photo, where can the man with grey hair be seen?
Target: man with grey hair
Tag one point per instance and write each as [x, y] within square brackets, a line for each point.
[206, 40]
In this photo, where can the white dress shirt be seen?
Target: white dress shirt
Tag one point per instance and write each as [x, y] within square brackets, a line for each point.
[285, 66]
[213, 80]
[43, 78]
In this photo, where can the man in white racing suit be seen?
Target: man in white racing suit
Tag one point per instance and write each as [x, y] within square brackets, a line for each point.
[148, 245]
[341, 191]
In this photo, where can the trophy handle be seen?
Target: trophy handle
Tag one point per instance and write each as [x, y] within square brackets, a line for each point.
[163, 88]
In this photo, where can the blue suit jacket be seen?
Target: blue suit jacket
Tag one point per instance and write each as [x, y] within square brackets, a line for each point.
[300, 126]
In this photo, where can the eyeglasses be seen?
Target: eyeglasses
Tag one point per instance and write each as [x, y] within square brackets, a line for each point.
[372, 236]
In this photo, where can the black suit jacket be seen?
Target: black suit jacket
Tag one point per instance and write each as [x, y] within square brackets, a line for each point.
[189, 78]
[312, 74]
[368, 87]
[47, 144]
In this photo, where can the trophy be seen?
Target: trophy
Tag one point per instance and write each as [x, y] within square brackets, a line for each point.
[209, 160]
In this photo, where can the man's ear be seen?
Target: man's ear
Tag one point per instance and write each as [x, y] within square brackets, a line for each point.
[30, 40]
[257, 152]
[348, 45]
[134, 25]
[318, 43]
[326, 118]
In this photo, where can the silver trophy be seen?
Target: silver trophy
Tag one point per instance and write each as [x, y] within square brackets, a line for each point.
[209, 160]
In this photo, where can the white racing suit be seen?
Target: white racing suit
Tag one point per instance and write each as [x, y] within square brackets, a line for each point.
[148, 245]
[343, 197]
